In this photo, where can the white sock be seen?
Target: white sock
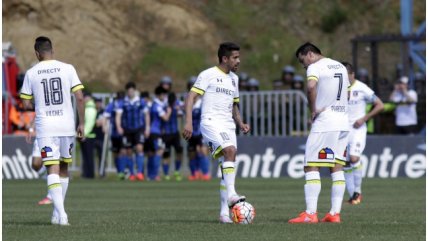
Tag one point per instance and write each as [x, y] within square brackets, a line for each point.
[349, 177]
[64, 183]
[337, 191]
[358, 176]
[229, 174]
[55, 190]
[224, 208]
[312, 191]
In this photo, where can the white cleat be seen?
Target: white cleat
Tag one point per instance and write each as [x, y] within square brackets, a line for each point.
[234, 199]
[55, 220]
[63, 221]
[225, 219]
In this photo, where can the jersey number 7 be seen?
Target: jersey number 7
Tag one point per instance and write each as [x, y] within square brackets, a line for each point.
[340, 77]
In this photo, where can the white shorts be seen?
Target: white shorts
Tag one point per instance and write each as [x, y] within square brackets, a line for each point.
[325, 149]
[56, 149]
[357, 141]
[36, 150]
[218, 136]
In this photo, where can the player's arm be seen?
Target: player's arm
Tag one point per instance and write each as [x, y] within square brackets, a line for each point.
[237, 117]
[147, 121]
[188, 107]
[167, 114]
[80, 104]
[118, 121]
[378, 107]
[312, 95]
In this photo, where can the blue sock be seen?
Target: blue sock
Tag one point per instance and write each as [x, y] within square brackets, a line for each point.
[116, 163]
[192, 166]
[165, 167]
[177, 165]
[140, 163]
[150, 166]
[157, 163]
[130, 165]
[121, 164]
[204, 164]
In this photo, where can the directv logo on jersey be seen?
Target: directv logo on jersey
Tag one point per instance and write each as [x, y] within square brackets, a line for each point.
[46, 152]
[224, 90]
[326, 153]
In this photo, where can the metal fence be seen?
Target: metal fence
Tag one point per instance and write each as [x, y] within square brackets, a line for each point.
[269, 113]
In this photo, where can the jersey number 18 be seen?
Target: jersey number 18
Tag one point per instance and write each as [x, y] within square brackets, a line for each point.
[52, 89]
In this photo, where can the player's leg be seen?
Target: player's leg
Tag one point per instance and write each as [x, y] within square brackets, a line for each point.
[224, 207]
[191, 152]
[166, 156]
[337, 176]
[160, 148]
[357, 168]
[203, 160]
[130, 162]
[178, 156]
[349, 175]
[50, 152]
[37, 165]
[116, 145]
[312, 188]
[139, 148]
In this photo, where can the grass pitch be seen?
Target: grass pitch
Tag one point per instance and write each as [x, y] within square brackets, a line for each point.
[392, 209]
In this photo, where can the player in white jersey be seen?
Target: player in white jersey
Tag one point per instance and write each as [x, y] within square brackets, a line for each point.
[360, 96]
[50, 83]
[328, 101]
[218, 87]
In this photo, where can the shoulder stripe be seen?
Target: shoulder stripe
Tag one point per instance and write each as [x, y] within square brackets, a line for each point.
[197, 90]
[77, 87]
[25, 96]
[312, 77]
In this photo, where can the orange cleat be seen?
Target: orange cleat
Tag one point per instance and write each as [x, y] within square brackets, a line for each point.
[305, 217]
[140, 177]
[331, 218]
[206, 177]
[192, 178]
[132, 178]
[45, 201]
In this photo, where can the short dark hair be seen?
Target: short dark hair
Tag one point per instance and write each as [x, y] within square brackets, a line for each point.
[130, 85]
[307, 47]
[349, 67]
[160, 90]
[43, 44]
[120, 95]
[225, 49]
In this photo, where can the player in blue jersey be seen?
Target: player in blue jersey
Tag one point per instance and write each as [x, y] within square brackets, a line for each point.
[133, 122]
[155, 146]
[115, 137]
[197, 151]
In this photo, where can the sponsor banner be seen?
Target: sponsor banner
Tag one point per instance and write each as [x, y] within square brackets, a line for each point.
[384, 157]
[16, 159]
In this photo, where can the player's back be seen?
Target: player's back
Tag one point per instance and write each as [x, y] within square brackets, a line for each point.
[50, 83]
[332, 95]
[360, 95]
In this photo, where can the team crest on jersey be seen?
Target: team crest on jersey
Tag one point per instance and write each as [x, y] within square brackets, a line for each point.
[70, 150]
[233, 83]
[326, 153]
[355, 93]
[46, 152]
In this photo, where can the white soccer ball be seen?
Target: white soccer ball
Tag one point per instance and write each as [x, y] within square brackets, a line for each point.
[243, 213]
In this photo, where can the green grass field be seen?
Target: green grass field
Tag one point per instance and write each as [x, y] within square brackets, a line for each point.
[392, 209]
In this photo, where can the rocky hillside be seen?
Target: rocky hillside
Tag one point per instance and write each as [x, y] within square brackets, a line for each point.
[111, 42]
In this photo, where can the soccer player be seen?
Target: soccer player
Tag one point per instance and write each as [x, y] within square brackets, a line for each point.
[155, 145]
[115, 137]
[218, 87]
[328, 101]
[50, 83]
[133, 122]
[197, 151]
[360, 96]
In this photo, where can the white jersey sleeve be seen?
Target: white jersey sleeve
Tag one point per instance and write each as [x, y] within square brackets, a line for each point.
[201, 84]
[26, 91]
[312, 73]
[369, 95]
[75, 81]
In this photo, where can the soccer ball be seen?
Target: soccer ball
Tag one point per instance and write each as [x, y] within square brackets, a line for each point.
[243, 213]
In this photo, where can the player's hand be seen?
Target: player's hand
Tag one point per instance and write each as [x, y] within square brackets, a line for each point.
[29, 136]
[187, 131]
[147, 133]
[81, 132]
[358, 123]
[245, 128]
[120, 130]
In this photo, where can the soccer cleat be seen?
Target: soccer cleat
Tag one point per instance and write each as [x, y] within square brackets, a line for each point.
[305, 217]
[206, 177]
[356, 198]
[140, 177]
[234, 199]
[328, 218]
[63, 221]
[225, 219]
[54, 220]
[132, 178]
[350, 200]
[178, 176]
[192, 178]
[167, 178]
[121, 176]
[45, 201]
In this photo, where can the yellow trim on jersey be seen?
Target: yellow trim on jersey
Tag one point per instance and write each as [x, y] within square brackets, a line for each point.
[25, 96]
[54, 185]
[349, 87]
[312, 77]
[313, 181]
[66, 159]
[339, 182]
[348, 170]
[77, 87]
[220, 70]
[320, 164]
[340, 162]
[51, 162]
[197, 90]
[217, 152]
[236, 100]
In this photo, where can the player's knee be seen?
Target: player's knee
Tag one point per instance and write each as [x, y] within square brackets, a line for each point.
[354, 159]
[36, 164]
[139, 148]
[229, 153]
